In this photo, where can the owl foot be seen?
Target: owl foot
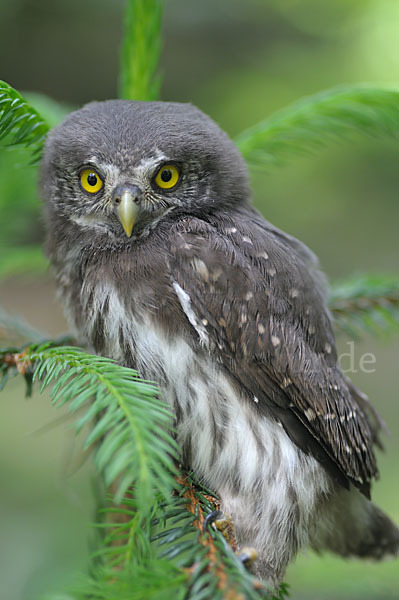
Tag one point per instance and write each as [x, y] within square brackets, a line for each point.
[223, 523]
[247, 556]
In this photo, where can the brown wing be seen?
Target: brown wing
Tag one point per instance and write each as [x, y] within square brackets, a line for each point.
[264, 313]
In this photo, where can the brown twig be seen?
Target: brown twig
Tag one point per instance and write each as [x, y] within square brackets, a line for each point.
[17, 360]
[363, 304]
[216, 566]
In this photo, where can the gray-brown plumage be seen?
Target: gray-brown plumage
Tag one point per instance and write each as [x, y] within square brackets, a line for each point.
[163, 265]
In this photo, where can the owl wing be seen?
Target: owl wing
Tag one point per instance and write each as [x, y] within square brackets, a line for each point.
[252, 299]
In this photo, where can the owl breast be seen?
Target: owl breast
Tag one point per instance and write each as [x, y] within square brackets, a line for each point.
[218, 427]
[249, 461]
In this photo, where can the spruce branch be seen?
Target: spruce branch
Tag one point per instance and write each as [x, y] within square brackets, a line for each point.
[215, 572]
[148, 529]
[315, 121]
[153, 580]
[20, 123]
[366, 304]
[140, 50]
[131, 434]
[203, 564]
[126, 566]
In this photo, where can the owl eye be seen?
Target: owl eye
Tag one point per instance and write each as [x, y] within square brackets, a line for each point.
[167, 177]
[90, 181]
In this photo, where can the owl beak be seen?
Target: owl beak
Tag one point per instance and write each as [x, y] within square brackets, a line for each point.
[126, 209]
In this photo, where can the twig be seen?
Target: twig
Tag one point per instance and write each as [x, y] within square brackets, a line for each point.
[17, 360]
[215, 565]
[364, 304]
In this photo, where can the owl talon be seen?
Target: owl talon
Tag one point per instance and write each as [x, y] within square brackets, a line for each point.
[223, 523]
[247, 556]
[211, 519]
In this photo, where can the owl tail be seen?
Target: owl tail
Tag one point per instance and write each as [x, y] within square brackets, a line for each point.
[350, 525]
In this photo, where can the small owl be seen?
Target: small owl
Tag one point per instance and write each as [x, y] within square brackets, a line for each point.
[163, 265]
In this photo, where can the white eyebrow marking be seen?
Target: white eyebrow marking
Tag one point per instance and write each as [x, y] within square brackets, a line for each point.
[147, 163]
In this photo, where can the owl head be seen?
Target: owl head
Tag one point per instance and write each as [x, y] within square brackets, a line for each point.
[113, 169]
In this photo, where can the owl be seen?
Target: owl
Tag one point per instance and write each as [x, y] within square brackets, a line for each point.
[163, 265]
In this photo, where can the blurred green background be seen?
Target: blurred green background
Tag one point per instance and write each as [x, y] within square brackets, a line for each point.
[238, 60]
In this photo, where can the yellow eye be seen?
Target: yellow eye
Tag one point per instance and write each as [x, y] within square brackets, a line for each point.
[90, 181]
[167, 177]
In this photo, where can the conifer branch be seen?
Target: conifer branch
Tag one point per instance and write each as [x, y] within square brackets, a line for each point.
[131, 433]
[170, 538]
[20, 123]
[366, 304]
[148, 529]
[214, 570]
[140, 51]
[313, 122]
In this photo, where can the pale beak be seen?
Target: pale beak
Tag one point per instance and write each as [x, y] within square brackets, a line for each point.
[126, 209]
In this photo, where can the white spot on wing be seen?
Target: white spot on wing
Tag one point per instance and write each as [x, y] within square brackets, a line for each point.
[201, 268]
[275, 341]
[310, 414]
[330, 416]
[186, 305]
[246, 239]
[286, 382]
